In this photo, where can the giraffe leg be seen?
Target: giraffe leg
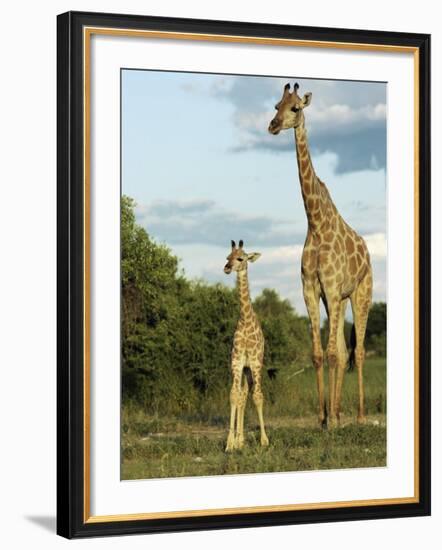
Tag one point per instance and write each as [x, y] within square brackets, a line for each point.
[334, 309]
[312, 293]
[235, 395]
[258, 399]
[360, 302]
[239, 443]
[342, 358]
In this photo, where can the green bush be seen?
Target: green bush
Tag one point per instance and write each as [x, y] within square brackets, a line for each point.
[177, 334]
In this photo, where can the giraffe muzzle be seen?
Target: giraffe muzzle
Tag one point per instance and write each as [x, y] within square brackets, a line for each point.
[274, 127]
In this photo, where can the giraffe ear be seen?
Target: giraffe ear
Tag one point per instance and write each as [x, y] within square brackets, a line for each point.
[306, 100]
[253, 256]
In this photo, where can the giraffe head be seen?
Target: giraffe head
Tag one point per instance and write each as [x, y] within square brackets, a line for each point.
[238, 259]
[289, 110]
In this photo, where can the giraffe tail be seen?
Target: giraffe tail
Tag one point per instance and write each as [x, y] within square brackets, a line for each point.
[351, 355]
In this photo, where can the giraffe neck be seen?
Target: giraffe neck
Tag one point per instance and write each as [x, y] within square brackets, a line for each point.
[310, 187]
[244, 294]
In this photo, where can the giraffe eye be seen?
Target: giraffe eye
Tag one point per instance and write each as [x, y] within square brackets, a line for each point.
[240, 259]
[295, 109]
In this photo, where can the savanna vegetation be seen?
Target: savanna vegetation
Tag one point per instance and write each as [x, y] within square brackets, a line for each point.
[176, 342]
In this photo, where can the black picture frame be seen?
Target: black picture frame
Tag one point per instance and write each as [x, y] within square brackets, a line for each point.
[71, 519]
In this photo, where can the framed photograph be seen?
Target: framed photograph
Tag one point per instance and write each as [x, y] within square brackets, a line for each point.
[243, 274]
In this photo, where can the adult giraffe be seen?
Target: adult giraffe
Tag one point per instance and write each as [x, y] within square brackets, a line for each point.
[335, 266]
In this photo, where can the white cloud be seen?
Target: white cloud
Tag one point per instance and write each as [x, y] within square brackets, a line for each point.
[321, 119]
[377, 245]
[343, 116]
[347, 118]
[282, 255]
[205, 222]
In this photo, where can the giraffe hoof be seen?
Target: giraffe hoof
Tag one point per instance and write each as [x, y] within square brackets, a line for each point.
[264, 441]
[333, 423]
[239, 443]
[230, 446]
[361, 420]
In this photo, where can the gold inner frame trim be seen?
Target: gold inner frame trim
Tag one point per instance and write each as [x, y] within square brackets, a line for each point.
[254, 509]
[87, 34]
[416, 274]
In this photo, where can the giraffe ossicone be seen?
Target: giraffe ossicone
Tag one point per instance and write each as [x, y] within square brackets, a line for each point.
[335, 267]
[247, 352]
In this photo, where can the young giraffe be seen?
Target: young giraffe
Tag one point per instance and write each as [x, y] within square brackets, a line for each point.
[335, 266]
[247, 352]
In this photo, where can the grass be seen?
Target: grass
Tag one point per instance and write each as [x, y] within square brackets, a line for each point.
[192, 444]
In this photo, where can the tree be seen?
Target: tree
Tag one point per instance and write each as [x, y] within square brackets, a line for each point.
[376, 336]
[177, 334]
[150, 285]
[209, 314]
[377, 319]
[148, 271]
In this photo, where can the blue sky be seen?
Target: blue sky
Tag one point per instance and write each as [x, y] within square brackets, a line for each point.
[202, 168]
